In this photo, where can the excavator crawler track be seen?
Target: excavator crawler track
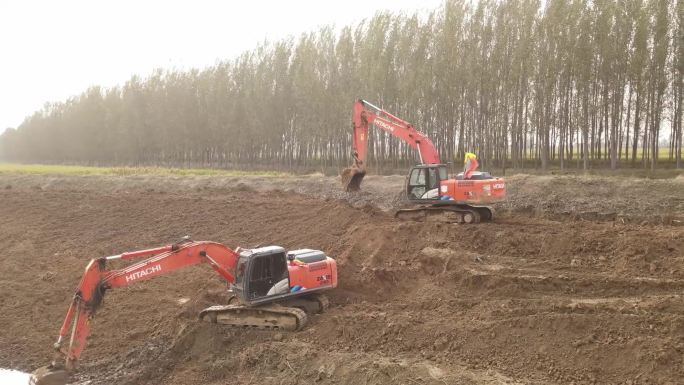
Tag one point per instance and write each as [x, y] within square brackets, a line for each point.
[311, 304]
[270, 317]
[323, 302]
[448, 214]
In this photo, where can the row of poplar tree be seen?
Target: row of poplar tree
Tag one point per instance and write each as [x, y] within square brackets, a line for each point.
[523, 83]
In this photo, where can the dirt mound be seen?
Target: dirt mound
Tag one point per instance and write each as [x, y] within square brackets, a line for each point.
[520, 300]
[638, 200]
[204, 353]
[557, 197]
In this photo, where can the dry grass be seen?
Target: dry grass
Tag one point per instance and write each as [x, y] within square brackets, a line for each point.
[42, 169]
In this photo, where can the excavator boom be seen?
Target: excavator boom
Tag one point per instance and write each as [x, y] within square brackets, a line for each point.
[365, 114]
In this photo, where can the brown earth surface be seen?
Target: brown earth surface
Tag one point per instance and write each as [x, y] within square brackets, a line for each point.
[579, 280]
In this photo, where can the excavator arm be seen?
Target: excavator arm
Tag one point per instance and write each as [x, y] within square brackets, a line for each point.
[97, 279]
[366, 114]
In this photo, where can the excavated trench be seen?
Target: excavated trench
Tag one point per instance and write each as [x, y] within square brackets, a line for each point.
[525, 299]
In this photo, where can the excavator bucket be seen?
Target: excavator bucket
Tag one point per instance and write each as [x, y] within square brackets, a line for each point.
[49, 375]
[352, 177]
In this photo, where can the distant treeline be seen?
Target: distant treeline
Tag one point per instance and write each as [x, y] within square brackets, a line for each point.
[571, 83]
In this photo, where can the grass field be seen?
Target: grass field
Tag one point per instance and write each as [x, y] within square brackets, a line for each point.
[663, 155]
[599, 168]
[42, 169]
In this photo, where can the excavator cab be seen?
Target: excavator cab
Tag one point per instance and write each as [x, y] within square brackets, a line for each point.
[271, 273]
[261, 273]
[424, 180]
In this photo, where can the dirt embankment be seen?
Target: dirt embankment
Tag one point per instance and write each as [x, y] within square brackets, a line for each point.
[594, 198]
[526, 299]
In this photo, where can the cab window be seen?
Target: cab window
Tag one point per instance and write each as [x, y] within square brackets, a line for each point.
[434, 182]
[442, 173]
[417, 177]
[416, 187]
[240, 271]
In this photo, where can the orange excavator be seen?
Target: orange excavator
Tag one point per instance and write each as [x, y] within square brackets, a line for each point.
[271, 288]
[466, 198]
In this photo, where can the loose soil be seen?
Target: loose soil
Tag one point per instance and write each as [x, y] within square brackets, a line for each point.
[578, 280]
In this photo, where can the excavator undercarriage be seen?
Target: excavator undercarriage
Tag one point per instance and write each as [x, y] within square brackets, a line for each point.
[447, 213]
[287, 315]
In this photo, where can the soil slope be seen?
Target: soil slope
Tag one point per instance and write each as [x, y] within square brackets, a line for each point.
[530, 299]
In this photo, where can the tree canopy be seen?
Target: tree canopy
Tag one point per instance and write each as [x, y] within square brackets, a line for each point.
[520, 82]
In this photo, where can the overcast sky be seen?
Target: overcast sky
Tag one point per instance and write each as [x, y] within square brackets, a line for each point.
[50, 50]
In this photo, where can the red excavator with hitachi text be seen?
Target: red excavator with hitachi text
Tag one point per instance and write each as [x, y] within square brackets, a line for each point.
[466, 198]
[272, 288]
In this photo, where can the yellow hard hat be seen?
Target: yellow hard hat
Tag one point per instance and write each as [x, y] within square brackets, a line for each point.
[468, 156]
